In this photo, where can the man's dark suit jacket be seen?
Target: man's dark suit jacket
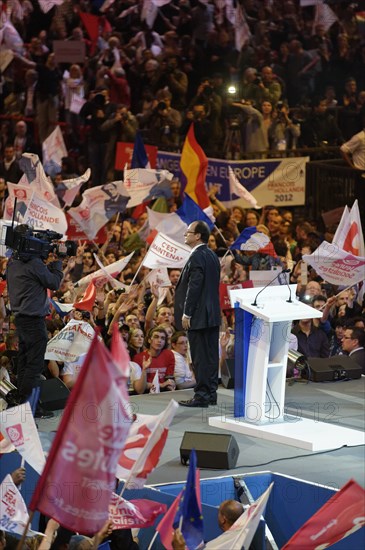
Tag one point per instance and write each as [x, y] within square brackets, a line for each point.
[197, 291]
[359, 358]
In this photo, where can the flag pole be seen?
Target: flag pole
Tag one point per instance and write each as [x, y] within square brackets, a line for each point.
[20, 544]
[335, 296]
[152, 540]
[136, 273]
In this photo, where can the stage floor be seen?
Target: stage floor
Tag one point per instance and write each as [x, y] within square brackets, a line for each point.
[341, 403]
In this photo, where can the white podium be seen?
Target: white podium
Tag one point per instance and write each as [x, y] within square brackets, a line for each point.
[260, 375]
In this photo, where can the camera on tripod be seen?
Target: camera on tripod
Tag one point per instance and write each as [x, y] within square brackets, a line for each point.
[27, 243]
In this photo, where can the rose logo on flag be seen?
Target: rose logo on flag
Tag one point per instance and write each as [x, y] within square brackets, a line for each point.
[15, 434]
[349, 261]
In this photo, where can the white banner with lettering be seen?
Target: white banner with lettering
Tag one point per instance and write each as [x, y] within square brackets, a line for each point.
[165, 252]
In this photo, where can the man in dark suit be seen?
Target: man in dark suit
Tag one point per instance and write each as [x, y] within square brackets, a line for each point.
[197, 311]
[353, 342]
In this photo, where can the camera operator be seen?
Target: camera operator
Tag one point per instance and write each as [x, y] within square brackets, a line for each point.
[28, 278]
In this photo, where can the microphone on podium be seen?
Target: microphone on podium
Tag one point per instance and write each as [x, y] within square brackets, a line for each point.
[254, 303]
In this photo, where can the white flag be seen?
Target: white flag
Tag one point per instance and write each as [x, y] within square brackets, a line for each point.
[170, 224]
[236, 188]
[241, 29]
[47, 5]
[101, 276]
[143, 448]
[98, 205]
[69, 188]
[54, 148]
[37, 178]
[23, 195]
[165, 252]
[155, 388]
[243, 530]
[144, 184]
[114, 282]
[335, 265]
[349, 235]
[13, 511]
[18, 427]
[44, 215]
[71, 342]
[324, 15]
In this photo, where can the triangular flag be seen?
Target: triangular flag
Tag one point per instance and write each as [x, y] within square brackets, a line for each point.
[155, 388]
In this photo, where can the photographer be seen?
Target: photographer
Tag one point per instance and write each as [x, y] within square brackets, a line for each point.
[121, 125]
[283, 132]
[165, 122]
[206, 96]
[28, 278]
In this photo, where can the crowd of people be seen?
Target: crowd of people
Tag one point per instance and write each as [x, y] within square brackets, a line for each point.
[145, 315]
[294, 81]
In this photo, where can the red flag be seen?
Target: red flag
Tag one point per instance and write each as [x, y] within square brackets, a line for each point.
[119, 352]
[2, 287]
[87, 301]
[91, 24]
[165, 527]
[342, 515]
[194, 166]
[79, 476]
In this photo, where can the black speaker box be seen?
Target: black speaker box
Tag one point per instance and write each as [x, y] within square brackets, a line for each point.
[338, 367]
[53, 394]
[227, 374]
[216, 451]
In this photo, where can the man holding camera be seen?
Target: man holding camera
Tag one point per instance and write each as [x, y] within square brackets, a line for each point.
[28, 278]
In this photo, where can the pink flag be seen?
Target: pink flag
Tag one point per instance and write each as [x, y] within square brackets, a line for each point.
[134, 513]
[119, 352]
[165, 527]
[342, 515]
[79, 476]
[144, 446]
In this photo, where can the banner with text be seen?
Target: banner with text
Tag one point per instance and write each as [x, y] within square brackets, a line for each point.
[280, 182]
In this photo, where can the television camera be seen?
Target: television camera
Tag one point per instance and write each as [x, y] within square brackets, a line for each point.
[28, 243]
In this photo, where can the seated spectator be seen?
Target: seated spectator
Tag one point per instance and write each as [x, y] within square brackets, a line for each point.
[312, 342]
[353, 342]
[136, 340]
[184, 377]
[162, 360]
[337, 337]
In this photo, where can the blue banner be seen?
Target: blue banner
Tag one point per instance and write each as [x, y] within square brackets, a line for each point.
[280, 182]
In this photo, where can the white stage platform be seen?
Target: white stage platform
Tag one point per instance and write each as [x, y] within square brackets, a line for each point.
[303, 432]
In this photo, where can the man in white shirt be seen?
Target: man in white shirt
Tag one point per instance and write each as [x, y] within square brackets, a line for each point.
[353, 151]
